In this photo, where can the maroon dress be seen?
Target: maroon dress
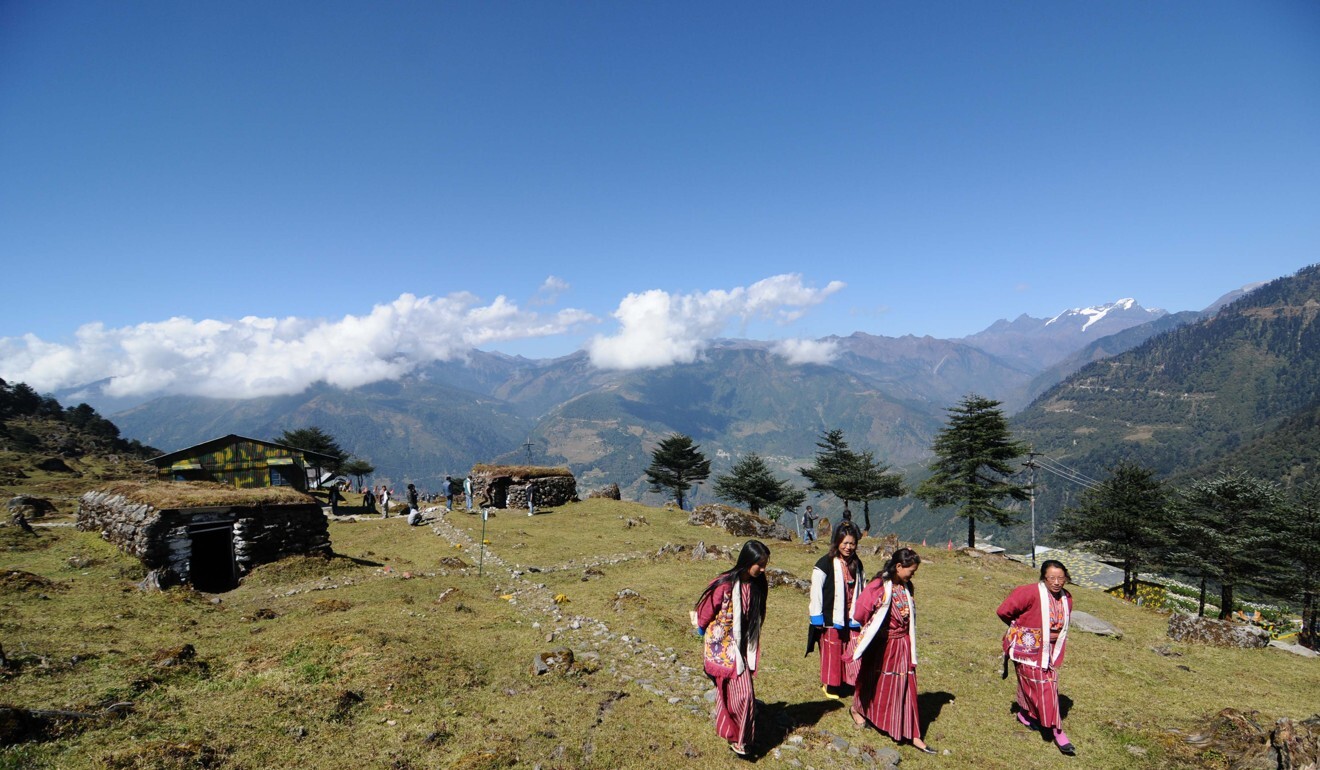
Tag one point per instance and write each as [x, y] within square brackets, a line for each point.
[887, 682]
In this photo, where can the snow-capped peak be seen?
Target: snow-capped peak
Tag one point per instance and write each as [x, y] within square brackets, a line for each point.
[1094, 314]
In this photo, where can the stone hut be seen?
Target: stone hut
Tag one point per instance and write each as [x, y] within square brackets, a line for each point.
[507, 486]
[203, 533]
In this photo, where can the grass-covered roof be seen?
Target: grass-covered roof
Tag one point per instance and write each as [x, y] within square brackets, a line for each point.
[166, 495]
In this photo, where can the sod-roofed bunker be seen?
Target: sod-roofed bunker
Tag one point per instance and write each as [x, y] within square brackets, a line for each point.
[507, 486]
[204, 533]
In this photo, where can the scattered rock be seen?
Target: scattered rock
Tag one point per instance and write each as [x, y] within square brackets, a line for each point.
[628, 598]
[1239, 738]
[1217, 633]
[780, 577]
[453, 562]
[1296, 649]
[610, 492]
[30, 507]
[1085, 621]
[173, 656]
[1166, 651]
[55, 465]
[558, 661]
[738, 522]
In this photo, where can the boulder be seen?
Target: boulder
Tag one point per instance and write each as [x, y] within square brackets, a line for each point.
[738, 522]
[30, 507]
[1295, 649]
[780, 577]
[1085, 621]
[55, 465]
[610, 492]
[1216, 633]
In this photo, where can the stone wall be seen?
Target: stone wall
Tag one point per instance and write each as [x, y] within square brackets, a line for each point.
[163, 541]
[508, 490]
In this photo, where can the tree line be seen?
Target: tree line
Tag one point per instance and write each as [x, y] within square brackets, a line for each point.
[20, 400]
[1230, 531]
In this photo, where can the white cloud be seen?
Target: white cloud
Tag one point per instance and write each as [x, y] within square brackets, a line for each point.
[797, 351]
[658, 329]
[271, 356]
[549, 291]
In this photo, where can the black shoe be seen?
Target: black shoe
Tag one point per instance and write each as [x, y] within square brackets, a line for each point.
[1067, 750]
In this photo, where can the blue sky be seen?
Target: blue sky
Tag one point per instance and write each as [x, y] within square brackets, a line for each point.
[241, 197]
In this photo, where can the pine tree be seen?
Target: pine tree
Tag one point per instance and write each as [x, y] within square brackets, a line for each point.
[973, 467]
[313, 439]
[752, 483]
[849, 475]
[1300, 549]
[831, 470]
[1125, 518]
[1227, 530]
[676, 465]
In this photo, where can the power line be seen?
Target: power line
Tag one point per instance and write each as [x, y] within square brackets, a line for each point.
[1068, 474]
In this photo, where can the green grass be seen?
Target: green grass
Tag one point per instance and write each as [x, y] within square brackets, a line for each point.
[369, 659]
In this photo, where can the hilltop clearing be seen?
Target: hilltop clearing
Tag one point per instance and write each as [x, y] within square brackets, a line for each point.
[397, 653]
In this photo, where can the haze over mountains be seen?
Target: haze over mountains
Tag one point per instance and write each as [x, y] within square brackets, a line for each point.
[887, 395]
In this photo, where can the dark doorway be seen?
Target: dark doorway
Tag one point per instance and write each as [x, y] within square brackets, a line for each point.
[212, 564]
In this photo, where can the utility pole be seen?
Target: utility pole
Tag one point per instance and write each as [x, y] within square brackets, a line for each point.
[1031, 463]
[528, 446]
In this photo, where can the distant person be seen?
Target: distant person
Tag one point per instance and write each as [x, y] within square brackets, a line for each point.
[1037, 617]
[809, 525]
[836, 584]
[384, 501]
[412, 500]
[414, 517]
[334, 499]
[467, 492]
[531, 501]
[729, 616]
[447, 489]
[847, 514]
[887, 649]
[368, 499]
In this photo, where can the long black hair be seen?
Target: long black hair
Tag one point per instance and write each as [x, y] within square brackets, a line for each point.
[902, 557]
[844, 529]
[753, 552]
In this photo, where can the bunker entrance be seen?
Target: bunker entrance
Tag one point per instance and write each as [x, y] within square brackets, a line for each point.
[212, 567]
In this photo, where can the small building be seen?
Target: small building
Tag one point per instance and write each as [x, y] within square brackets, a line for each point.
[508, 486]
[244, 462]
[204, 533]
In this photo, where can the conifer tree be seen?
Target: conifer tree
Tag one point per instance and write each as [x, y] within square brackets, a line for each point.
[314, 439]
[676, 465]
[752, 483]
[973, 466]
[1125, 518]
[1300, 549]
[1228, 530]
[849, 475]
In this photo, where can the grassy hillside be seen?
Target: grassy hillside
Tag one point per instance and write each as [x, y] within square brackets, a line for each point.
[391, 654]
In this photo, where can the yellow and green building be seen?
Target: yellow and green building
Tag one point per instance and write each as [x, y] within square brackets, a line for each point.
[244, 463]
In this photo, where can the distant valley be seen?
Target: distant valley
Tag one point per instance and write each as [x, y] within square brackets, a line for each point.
[887, 395]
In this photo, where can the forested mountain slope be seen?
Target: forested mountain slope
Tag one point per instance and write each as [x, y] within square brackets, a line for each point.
[1237, 386]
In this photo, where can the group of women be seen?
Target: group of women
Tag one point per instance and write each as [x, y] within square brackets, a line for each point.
[867, 635]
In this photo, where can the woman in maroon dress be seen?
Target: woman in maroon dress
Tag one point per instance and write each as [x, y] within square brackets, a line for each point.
[729, 616]
[887, 647]
[836, 582]
[1037, 617]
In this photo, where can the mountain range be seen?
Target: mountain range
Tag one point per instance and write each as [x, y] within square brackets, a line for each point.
[888, 394]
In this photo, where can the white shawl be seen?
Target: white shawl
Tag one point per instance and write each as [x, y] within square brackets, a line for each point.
[877, 621]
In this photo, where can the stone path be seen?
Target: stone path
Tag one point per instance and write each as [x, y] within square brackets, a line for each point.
[659, 671]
